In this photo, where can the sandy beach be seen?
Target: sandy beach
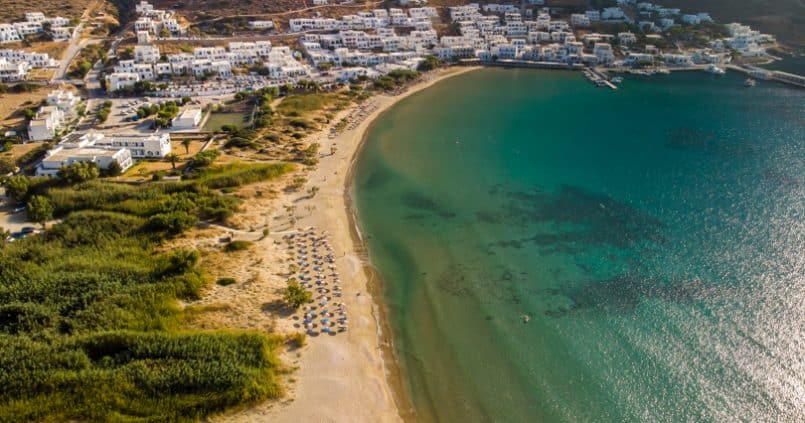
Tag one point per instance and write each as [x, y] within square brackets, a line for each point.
[351, 376]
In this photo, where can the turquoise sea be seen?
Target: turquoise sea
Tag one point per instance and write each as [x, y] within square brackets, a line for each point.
[654, 236]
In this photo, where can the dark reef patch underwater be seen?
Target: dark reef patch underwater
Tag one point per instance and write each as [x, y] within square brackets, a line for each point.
[592, 255]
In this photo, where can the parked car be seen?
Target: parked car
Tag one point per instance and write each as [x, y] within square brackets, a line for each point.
[19, 209]
[28, 230]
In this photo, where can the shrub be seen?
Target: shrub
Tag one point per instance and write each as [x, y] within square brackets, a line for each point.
[79, 172]
[205, 158]
[294, 295]
[173, 223]
[39, 209]
[226, 281]
[238, 245]
[238, 174]
[17, 187]
[300, 123]
[297, 340]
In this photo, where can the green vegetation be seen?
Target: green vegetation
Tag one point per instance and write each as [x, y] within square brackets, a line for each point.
[297, 339]
[141, 88]
[295, 296]
[226, 281]
[395, 79]
[103, 112]
[90, 328]
[17, 187]
[298, 104]
[78, 172]
[430, 63]
[7, 165]
[309, 156]
[40, 210]
[165, 112]
[205, 158]
[90, 54]
[237, 174]
[218, 120]
[238, 245]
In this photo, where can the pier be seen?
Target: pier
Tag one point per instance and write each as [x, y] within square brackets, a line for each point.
[600, 78]
[770, 75]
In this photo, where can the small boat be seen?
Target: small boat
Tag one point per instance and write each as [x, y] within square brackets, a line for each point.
[525, 318]
[750, 82]
[617, 79]
[715, 70]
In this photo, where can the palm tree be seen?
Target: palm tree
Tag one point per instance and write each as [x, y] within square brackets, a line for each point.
[186, 143]
[173, 158]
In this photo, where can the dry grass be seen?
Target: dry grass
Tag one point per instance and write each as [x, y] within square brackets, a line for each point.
[12, 105]
[19, 150]
[53, 48]
[194, 147]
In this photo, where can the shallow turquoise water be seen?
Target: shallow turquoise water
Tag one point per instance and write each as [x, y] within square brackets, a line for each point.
[654, 235]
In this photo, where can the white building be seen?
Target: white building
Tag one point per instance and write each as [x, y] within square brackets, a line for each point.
[9, 34]
[63, 100]
[626, 38]
[119, 80]
[262, 24]
[143, 37]
[10, 72]
[188, 119]
[603, 52]
[48, 121]
[68, 153]
[146, 53]
[34, 24]
[154, 145]
[35, 60]
[579, 20]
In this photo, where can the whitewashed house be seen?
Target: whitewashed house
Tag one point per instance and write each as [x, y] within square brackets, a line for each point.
[47, 123]
[188, 119]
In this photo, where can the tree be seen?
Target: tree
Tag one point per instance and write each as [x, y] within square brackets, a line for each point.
[173, 158]
[4, 233]
[40, 210]
[114, 169]
[17, 187]
[430, 63]
[78, 172]
[7, 165]
[186, 144]
[205, 158]
[294, 295]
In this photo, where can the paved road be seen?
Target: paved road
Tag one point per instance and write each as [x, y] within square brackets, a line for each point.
[75, 46]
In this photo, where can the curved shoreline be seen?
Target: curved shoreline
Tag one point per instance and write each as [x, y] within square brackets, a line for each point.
[354, 376]
[374, 281]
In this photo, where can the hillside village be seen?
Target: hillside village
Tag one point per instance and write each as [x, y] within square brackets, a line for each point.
[334, 50]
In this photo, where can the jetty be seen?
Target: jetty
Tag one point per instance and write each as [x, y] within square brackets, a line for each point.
[598, 78]
[770, 75]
